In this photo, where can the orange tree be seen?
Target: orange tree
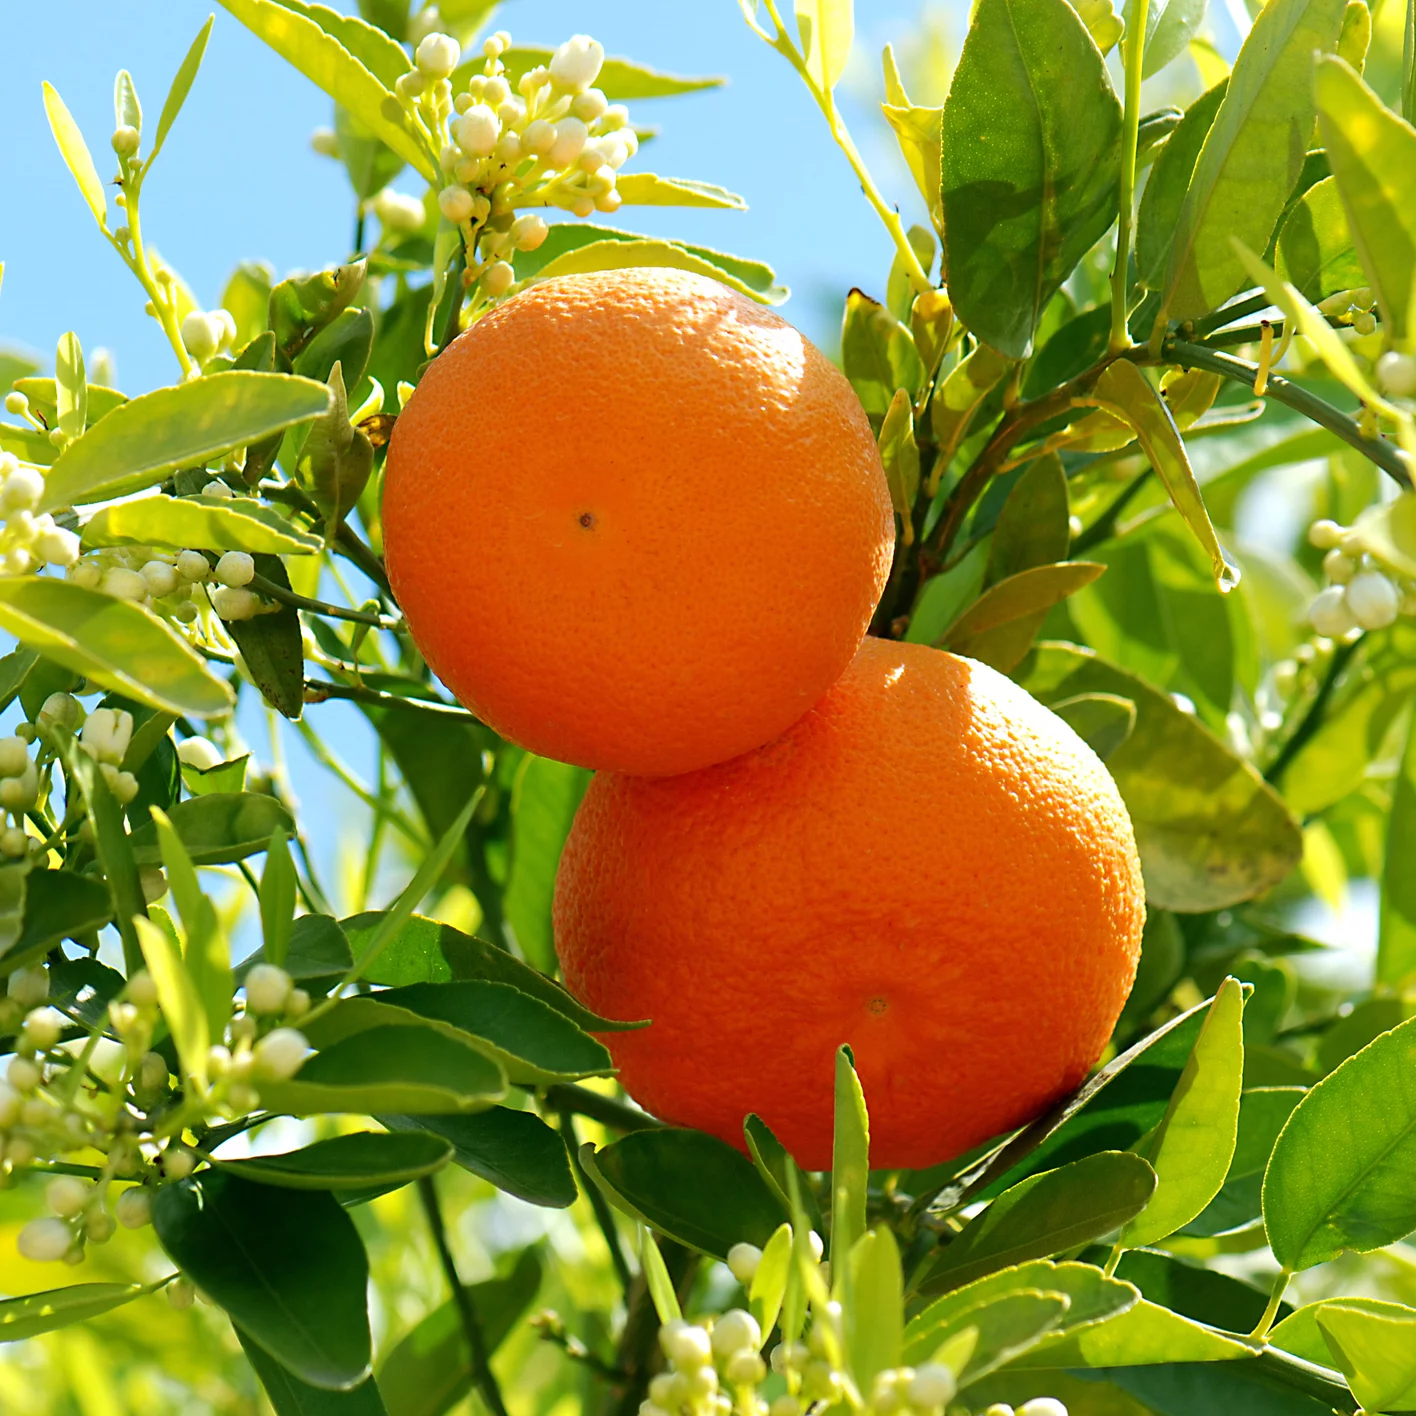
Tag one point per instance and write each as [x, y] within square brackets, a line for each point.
[1073, 380]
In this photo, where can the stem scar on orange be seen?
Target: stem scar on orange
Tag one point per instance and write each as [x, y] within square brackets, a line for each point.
[636, 521]
[929, 866]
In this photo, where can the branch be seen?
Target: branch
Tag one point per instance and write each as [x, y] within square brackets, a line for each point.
[319, 690]
[566, 1097]
[271, 591]
[1313, 719]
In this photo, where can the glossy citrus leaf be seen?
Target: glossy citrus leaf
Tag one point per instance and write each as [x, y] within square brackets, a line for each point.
[348, 1162]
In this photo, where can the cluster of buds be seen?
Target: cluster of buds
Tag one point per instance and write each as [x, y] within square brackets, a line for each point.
[105, 736]
[1357, 308]
[28, 540]
[168, 582]
[19, 792]
[1360, 593]
[208, 332]
[555, 141]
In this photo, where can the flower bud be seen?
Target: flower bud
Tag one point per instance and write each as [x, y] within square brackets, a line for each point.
[45, 1241]
[576, 64]
[1042, 1406]
[685, 1344]
[529, 231]
[743, 1260]
[233, 603]
[267, 989]
[1329, 613]
[437, 55]
[280, 1054]
[932, 1385]
[23, 1075]
[22, 488]
[410, 86]
[455, 203]
[745, 1369]
[325, 142]
[609, 201]
[14, 756]
[125, 140]
[1373, 601]
[399, 213]
[178, 1162]
[736, 1331]
[819, 1381]
[29, 987]
[66, 1195]
[785, 1406]
[1397, 374]
[498, 278]
[200, 753]
[107, 732]
[236, 568]
[569, 142]
[495, 91]
[42, 1029]
[1339, 567]
[99, 1227]
[1364, 322]
[152, 881]
[181, 1294]
[57, 546]
[590, 105]
[9, 1106]
[582, 206]
[124, 584]
[476, 132]
[218, 489]
[161, 578]
[152, 1074]
[539, 137]
[14, 843]
[200, 336]
[133, 1208]
[193, 566]
[20, 793]
[17, 403]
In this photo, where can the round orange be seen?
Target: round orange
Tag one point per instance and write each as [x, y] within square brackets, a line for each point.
[636, 521]
[929, 866]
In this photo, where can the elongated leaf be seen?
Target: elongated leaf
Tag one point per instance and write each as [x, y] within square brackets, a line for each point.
[287, 1265]
[878, 355]
[1339, 1175]
[1169, 32]
[363, 1158]
[1102, 720]
[323, 59]
[1376, 1352]
[217, 828]
[37, 1313]
[515, 1150]
[75, 153]
[648, 189]
[656, 1278]
[777, 1167]
[1030, 164]
[1396, 948]
[43, 395]
[1143, 1336]
[58, 905]
[277, 898]
[208, 956]
[769, 1283]
[182, 82]
[1032, 528]
[289, 1396]
[272, 645]
[1252, 155]
[1047, 1214]
[1209, 830]
[958, 400]
[648, 251]
[826, 28]
[850, 1159]
[1194, 1142]
[1263, 1112]
[688, 1185]
[139, 443]
[999, 626]
[1300, 1334]
[1315, 252]
[199, 523]
[1004, 1328]
[1203, 1294]
[620, 80]
[177, 995]
[899, 453]
[1373, 157]
[875, 1325]
[920, 132]
[390, 1070]
[113, 643]
[380, 54]
[70, 386]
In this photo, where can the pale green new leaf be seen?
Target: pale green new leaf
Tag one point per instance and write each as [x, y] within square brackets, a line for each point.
[874, 1323]
[277, 898]
[1376, 1352]
[75, 153]
[127, 111]
[1314, 253]
[850, 1164]
[647, 251]
[182, 82]
[656, 1278]
[649, 189]
[769, 1283]
[1372, 152]
[1194, 1142]
[202, 523]
[1018, 601]
[1396, 947]
[70, 386]
[35, 1313]
[1146, 1335]
[900, 455]
[1252, 154]
[1169, 31]
[177, 996]
[827, 28]
[920, 133]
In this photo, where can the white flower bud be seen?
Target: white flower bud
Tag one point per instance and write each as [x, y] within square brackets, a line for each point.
[1325, 534]
[218, 489]
[785, 1406]
[590, 105]
[1397, 374]
[152, 881]
[123, 1017]
[161, 578]
[99, 1227]
[569, 142]
[125, 140]
[233, 603]
[178, 1162]
[1042, 1406]
[9, 1105]
[14, 756]
[267, 989]
[609, 201]
[193, 566]
[437, 55]
[152, 1075]
[133, 1208]
[29, 987]
[582, 206]
[200, 753]
[200, 335]
[576, 64]
[280, 1054]
[476, 132]
[298, 1003]
[932, 1385]
[498, 278]
[86, 574]
[124, 584]
[539, 137]
[813, 1242]
[1364, 322]
[42, 1029]
[325, 142]
[236, 568]
[45, 1241]
[630, 139]
[66, 1195]
[1373, 600]
[495, 91]
[1329, 613]
[107, 732]
[410, 86]
[142, 987]
[1339, 568]
[455, 203]
[399, 213]
[17, 403]
[743, 1260]
[22, 489]
[736, 1331]
[685, 1344]
[23, 1075]
[14, 843]
[745, 1368]
[492, 46]
[57, 546]
[508, 151]
[529, 231]
[181, 1295]
[20, 793]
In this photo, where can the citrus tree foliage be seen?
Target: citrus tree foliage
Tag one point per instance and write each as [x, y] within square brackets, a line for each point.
[1073, 372]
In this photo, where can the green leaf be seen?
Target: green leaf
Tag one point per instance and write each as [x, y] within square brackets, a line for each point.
[1300, 1334]
[1263, 1111]
[347, 340]
[182, 82]
[348, 1162]
[515, 1150]
[114, 644]
[1314, 251]
[687, 1185]
[310, 38]
[370, 164]
[1396, 947]
[534, 1043]
[1373, 156]
[273, 646]
[1203, 1294]
[957, 401]
[1169, 32]
[336, 458]
[277, 897]
[127, 111]
[1376, 1352]
[1046, 1214]
[302, 305]
[649, 189]
[620, 80]
[920, 132]
[850, 1160]
[430, 1370]
[143, 440]
[36, 1313]
[390, 1070]
[177, 995]
[287, 1265]
[544, 797]
[1005, 1327]
[900, 455]
[1125, 392]
[319, 953]
[198, 523]
[1032, 528]
[999, 627]
[1102, 720]
[1209, 830]
[289, 1396]
[70, 386]
[878, 354]
[1031, 151]
[1194, 1143]
[224, 777]
[874, 1324]
[775, 1165]
[1338, 1177]
[75, 153]
[58, 905]
[656, 1278]
[618, 253]
[218, 828]
[1145, 1335]
[1252, 155]
[827, 28]
[769, 1283]
[43, 395]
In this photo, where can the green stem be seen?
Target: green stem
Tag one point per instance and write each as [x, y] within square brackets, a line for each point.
[1408, 63]
[317, 690]
[1313, 719]
[1378, 450]
[1104, 527]
[331, 763]
[271, 591]
[1133, 52]
[568, 1098]
[599, 1206]
[1280, 1285]
[1114, 1258]
[166, 311]
[1226, 316]
[482, 1375]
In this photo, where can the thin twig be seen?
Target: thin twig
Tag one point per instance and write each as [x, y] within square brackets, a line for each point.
[599, 1206]
[318, 690]
[581, 1101]
[271, 591]
[1312, 720]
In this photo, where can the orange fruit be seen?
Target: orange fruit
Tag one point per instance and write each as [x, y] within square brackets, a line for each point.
[636, 521]
[929, 866]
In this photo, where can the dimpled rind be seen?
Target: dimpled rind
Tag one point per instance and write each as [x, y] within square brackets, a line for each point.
[929, 866]
[636, 521]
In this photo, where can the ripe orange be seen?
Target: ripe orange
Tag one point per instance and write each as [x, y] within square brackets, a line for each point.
[636, 521]
[929, 866]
